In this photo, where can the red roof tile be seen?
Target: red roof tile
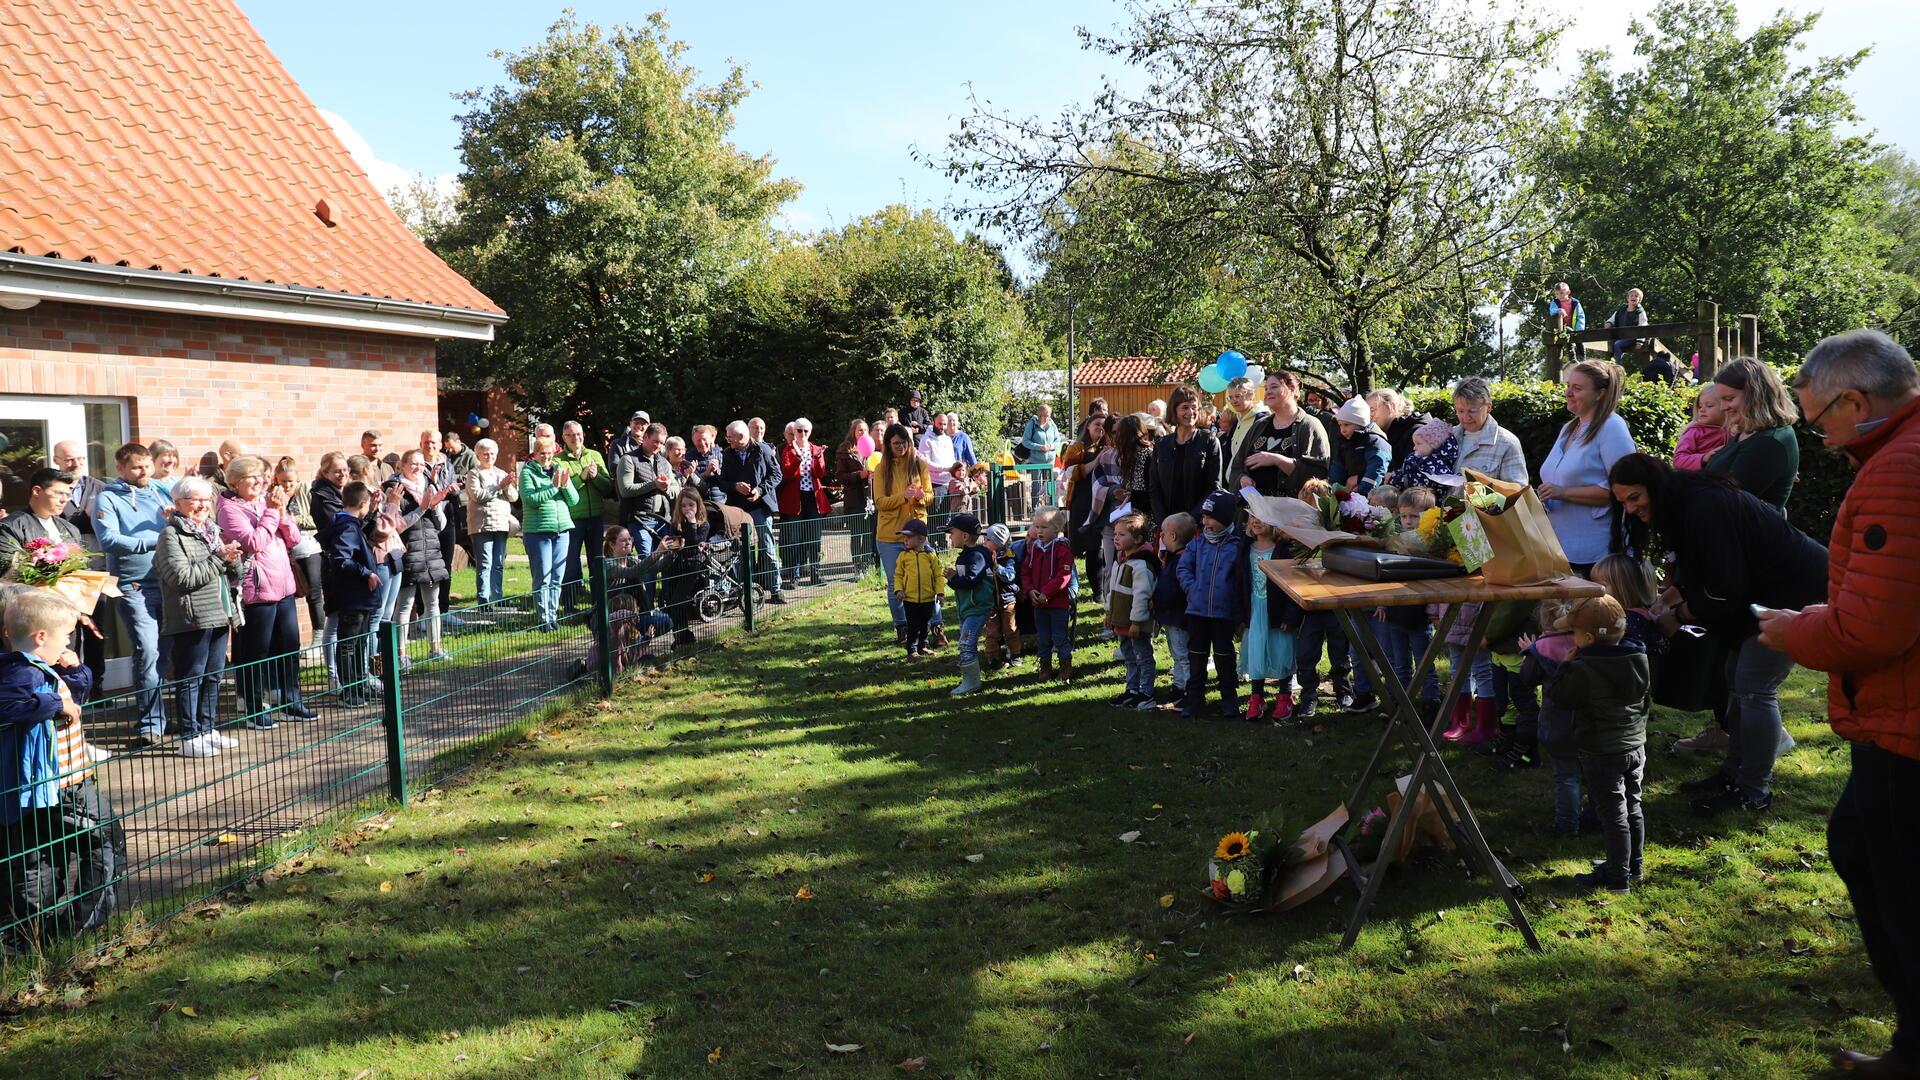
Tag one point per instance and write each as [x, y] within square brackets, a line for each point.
[164, 134]
[1134, 371]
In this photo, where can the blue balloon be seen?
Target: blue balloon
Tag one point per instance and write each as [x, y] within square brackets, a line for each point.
[1232, 364]
[1211, 380]
[473, 418]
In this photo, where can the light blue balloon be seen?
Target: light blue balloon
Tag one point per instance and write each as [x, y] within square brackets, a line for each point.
[1231, 364]
[1211, 380]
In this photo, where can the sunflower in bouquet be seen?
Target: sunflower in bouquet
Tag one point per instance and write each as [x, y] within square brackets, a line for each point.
[1436, 537]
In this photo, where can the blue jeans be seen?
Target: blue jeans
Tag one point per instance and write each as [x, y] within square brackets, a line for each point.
[889, 551]
[970, 628]
[583, 545]
[1556, 740]
[199, 658]
[140, 607]
[767, 572]
[1754, 675]
[489, 565]
[1480, 677]
[1177, 650]
[1404, 646]
[546, 557]
[1050, 630]
[1136, 654]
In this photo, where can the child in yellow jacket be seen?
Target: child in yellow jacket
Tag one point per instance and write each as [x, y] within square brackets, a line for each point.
[918, 581]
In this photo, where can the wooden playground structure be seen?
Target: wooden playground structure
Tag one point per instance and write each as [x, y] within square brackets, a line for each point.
[1716, 341]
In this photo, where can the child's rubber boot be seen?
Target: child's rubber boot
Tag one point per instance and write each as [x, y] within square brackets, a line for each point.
[969, 679]
[1462, 721]
[1485, 724]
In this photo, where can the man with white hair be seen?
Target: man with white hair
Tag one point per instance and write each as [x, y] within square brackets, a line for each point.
[1860, 392]
[1157, 408]
[750, 480]
[72, 457]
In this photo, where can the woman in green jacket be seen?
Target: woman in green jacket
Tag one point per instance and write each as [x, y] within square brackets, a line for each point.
[594, 484]
[199, 574]
[1762, 454]
[547, 498]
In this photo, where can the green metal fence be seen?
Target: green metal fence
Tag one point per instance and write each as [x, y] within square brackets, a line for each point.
[147, 830]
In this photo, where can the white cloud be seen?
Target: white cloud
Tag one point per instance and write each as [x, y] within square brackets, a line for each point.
[387, 177]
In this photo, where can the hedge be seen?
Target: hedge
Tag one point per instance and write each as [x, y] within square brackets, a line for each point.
[1656, 414]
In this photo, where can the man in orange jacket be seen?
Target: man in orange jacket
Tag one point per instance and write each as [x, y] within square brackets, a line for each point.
[1861, 392]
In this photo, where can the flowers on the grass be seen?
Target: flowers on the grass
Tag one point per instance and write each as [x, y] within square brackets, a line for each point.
[1245, 863]
[43, 561]
[1233, 846]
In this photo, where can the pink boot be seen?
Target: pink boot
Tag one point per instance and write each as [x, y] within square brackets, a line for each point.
[1282, 705]
[1461, 721]
[1486, 723]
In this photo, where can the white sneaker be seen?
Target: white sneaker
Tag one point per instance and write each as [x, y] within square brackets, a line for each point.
[201, 747]
[222, 741]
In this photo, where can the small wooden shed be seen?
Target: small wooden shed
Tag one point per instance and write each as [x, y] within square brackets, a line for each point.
[1130, 382]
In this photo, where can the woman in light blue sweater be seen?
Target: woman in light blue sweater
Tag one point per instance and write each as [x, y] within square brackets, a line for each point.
[1573, 479]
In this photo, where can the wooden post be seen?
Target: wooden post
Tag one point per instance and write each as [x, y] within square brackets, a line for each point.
[1707, 338]
[1750, 336]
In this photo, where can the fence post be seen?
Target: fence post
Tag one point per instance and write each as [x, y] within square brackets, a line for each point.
[749, 566]
[996, 497]
[603, 629]
[391, 711]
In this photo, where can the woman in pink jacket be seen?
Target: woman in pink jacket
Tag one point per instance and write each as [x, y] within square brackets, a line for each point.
[253, 514]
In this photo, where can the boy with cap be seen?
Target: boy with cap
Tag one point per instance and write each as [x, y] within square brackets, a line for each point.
[916, 577]
[976, 594]
[1213, 571]
[1604, 685]
[1001, 642]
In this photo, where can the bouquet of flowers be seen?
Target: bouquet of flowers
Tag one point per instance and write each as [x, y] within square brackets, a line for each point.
[43, 561]
[1246, 864]
[1448, 532]
[1345, 511]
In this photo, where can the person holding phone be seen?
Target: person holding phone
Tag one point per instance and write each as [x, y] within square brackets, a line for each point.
[424, 566]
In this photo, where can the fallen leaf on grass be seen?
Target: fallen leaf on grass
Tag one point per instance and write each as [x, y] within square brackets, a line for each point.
[914, 1064]
[705, 878]
[386, 886]
[188, 1010]
[713, 1056]
[976, 858]
[845, 1048]
[1166, 900]
[1130, 836]
[803, 893]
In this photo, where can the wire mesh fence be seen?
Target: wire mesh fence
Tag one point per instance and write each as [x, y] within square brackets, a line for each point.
[111, 814]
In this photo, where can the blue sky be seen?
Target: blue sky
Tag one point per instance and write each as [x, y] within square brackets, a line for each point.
[848, 88]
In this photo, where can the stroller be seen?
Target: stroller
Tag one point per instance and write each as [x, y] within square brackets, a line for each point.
[718, 589]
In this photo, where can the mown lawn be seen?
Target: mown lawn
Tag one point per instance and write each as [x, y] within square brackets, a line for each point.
[796, 855]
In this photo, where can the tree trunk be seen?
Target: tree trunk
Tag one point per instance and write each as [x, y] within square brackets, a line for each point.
[1359, 356]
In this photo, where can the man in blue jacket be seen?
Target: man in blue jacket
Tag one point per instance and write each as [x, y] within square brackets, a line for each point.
[750, 480]
[128, 516]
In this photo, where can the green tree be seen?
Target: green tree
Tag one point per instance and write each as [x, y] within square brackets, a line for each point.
[603, 208]
[845, 323]
[1898, 218]
[1353, 171]
[1718, 169]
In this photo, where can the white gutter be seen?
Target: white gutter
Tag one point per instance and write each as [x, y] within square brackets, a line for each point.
[36, 277]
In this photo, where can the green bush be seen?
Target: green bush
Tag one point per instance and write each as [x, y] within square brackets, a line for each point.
[1536, 411]
[1656, 414]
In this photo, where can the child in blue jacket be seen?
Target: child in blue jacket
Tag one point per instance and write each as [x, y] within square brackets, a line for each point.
[54, 820]
[1170, 598]
[1213, 571]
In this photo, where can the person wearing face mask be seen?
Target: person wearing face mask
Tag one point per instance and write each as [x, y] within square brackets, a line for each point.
[1860, 392]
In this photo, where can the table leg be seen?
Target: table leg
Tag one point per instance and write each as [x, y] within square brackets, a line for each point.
[1430, 774]
[1350, 625]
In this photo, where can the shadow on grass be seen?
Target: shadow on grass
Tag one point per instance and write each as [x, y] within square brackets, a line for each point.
[773, 851]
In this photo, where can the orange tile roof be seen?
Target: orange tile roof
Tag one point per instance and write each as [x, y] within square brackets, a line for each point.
[164, 134]
[1134, 371]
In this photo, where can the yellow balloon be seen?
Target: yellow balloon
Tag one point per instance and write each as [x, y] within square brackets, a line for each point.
[873, 460]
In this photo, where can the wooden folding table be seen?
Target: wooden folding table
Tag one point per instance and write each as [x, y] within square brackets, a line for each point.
[1315, 588]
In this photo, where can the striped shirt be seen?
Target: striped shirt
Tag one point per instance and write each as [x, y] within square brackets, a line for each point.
[76, 763]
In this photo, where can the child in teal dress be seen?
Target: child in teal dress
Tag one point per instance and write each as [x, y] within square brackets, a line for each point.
[1266, 653]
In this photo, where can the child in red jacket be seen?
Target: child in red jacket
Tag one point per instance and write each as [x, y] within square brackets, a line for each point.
[1046, 579]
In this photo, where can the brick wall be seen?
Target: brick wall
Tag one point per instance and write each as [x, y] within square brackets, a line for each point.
[278, 388]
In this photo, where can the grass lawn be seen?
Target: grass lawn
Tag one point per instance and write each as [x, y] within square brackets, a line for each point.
[798, 855]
